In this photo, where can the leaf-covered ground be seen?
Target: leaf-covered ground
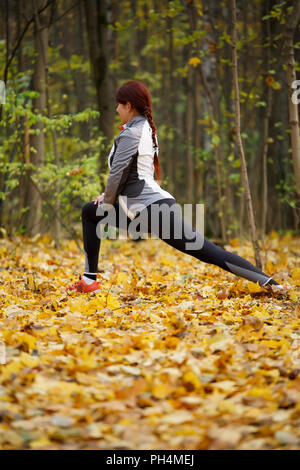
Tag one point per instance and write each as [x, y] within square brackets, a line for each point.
[173, 354]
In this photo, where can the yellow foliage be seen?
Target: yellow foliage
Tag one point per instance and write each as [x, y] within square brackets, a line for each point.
[194, 61]
[12, 368]
[293, 295]
[139, 342]
[171, 342]
[226, 406]
[28, 360]
[121, 277]
[39, 444]
[27, 339]
[254, 288]
[191, 381]
[157, 277]
[296, 274]
[161, 390]
[165, 261]
[258, 392]
[273, 234]
[171, 353]
[260, 312]
[234, 242]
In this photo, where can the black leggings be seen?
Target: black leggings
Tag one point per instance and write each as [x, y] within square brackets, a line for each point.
[190, 242]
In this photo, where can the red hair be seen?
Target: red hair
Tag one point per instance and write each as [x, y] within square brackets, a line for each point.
[139, 96]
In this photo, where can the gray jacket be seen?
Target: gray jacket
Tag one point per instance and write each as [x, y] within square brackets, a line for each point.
[131, 163]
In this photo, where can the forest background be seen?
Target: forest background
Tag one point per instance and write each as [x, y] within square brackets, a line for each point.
[62, 62]
[171, 353]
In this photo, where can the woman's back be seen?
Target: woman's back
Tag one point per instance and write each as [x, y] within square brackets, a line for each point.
[131, 163]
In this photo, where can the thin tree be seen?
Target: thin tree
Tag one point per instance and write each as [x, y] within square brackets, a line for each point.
[291, 25]
[266, 121]
[189, 108]
[56, 228]
[239, 142]
[37, 141]
[171, 159]
[213, 112]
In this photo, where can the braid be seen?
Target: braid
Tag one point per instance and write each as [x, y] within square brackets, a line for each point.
[148, 115]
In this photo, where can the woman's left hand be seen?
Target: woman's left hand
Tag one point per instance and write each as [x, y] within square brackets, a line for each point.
[98, 199]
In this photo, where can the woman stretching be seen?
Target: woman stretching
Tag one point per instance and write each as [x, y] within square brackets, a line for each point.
[132, 192]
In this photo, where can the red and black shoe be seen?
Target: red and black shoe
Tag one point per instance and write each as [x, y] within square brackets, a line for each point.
[82, 286]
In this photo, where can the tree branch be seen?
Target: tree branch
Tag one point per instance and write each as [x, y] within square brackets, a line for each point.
[21, 37]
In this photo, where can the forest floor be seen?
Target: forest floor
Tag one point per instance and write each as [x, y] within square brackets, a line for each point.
[172, 354]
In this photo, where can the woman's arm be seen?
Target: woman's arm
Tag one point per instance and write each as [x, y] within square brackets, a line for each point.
[127, 148]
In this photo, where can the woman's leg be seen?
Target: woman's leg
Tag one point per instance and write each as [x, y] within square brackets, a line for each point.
[91, 240]
[193, 243]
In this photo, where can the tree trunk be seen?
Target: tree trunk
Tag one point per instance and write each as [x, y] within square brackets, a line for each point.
[216, 150]
[291, 25]
[189, 110]
[171, 154]
[189, 138]
[2, 134]
[198, 171]
[25, 153]
[34, 200]
[265, 162]
[224, 84]
[255, 243]
[100, 49]
[266, 32]
[115, 39]
[56, 228]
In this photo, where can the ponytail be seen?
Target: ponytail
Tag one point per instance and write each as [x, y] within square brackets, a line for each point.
[148, 115]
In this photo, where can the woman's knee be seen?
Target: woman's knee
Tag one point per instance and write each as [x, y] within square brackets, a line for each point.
[88, 210]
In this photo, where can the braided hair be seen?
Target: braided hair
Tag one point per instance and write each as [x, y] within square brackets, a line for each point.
[139, 96]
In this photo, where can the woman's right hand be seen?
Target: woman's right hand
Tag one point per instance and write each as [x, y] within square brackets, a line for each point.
[98, 199]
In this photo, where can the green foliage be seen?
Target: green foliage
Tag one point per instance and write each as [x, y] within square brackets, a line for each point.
[277, 12]
[287, 190]
[215, 140]
[174, 8]
[235, 177]
[75, 179]
[261, 103]
[202, 157]
[144, 42]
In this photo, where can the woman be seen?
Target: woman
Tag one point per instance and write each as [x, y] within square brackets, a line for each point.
[131, 191]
